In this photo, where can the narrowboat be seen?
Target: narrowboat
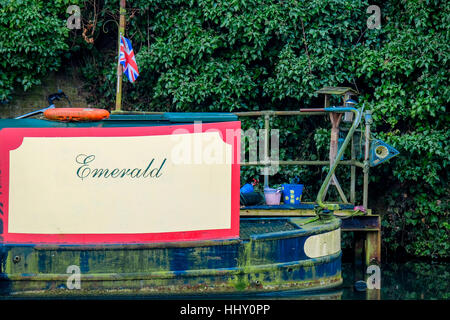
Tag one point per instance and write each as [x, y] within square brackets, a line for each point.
[145, 204]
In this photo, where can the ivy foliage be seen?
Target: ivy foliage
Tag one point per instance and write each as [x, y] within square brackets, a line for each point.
[238, 55]
[406, 68]
[33, 40]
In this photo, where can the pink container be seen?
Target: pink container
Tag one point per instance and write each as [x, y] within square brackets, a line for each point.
[273, 196]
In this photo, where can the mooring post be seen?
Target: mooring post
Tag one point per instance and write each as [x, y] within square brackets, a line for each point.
[373, 245]
[372, 250]
[373, 253]
[373, 294]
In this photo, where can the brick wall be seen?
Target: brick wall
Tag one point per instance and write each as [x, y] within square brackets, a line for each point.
[36, 97]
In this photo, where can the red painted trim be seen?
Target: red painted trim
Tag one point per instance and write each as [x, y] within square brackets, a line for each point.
[11, 138]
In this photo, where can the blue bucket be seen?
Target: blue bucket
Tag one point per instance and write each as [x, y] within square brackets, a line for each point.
[247, 188]
[292, 193]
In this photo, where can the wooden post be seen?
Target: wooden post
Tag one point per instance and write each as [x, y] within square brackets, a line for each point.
[335, 122]
[373, 294]
[119, 66]
[373, 247]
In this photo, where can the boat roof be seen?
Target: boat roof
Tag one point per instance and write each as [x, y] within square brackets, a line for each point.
[126, 120]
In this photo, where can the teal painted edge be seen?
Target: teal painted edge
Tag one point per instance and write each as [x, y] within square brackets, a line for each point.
[124, 120]
[199, 116]
[130, 246]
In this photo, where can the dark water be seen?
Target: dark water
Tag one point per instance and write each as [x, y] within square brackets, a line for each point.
[413, 280]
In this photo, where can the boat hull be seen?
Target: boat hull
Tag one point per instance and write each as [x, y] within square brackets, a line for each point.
[290, 254]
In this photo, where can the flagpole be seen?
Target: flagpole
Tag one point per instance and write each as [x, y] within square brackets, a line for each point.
[119, 66]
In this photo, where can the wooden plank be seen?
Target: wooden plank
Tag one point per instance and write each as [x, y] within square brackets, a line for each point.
[295, 213]
[287, 213]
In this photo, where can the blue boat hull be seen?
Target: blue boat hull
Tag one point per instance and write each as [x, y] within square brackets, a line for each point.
[272, 254]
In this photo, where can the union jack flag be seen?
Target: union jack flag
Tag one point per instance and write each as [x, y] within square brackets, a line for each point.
[127, 59]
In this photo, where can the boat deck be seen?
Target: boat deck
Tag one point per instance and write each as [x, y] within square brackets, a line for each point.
[367, 226]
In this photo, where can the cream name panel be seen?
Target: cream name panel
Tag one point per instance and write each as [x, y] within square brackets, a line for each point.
[119, 185]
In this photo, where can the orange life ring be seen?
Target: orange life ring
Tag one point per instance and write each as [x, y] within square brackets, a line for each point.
[76, 114]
